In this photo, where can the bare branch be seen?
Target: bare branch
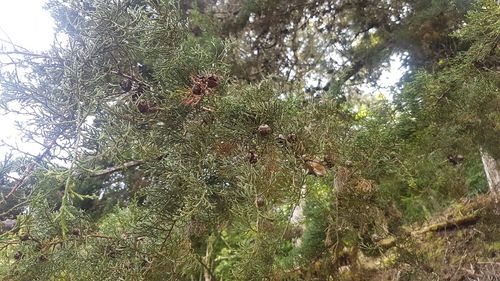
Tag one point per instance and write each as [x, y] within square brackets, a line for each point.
[110, 170]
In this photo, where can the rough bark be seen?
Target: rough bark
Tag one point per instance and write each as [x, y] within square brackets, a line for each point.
[492, 172]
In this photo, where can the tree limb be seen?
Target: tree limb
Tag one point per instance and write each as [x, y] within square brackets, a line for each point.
[449, 224]
[113, 169]
[124, 166]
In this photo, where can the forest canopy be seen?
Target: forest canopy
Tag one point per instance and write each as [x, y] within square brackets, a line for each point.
[253, 140]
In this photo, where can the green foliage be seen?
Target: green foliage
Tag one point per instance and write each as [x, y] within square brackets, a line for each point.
[148, 172]
[315, 226]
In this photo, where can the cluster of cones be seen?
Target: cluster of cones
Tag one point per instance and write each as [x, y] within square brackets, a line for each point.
[202, 85]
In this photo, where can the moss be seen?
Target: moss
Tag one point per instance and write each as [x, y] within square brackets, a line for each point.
[390, 260]
[495, 246]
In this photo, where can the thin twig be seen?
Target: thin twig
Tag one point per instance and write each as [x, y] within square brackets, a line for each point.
[113, 169]
[32, 166]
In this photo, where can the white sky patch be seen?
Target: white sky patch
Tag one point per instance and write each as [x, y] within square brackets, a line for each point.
[26, 24]
[388, 79]
[394, 73]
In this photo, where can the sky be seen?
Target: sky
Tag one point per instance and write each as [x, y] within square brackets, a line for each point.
[27, 24]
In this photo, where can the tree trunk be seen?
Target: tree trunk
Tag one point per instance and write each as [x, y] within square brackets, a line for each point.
[492, 173]
[298, 217]
[207, 260]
